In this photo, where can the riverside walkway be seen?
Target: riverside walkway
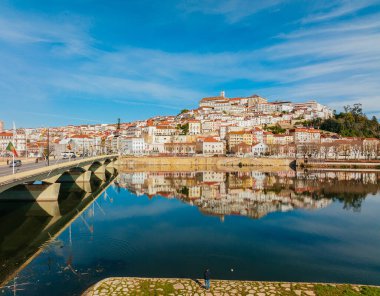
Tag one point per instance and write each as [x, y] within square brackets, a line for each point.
[162, 286]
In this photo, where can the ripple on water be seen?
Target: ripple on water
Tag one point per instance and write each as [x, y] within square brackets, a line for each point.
[106, 244]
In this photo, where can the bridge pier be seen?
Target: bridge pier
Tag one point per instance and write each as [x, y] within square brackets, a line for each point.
[83, 181]
[32, 192]
[100, 172]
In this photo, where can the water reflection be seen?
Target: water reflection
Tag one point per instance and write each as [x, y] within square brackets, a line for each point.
[27, 228]
[163, 224]
[254, 194]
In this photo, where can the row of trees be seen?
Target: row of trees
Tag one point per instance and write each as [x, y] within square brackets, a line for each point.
[356, 149]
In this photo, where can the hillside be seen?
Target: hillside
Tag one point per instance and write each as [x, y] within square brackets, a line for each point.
[350, 123]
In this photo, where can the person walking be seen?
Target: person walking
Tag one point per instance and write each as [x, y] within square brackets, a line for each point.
[206, 277]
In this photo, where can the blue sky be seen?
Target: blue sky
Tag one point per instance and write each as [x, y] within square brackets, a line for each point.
[83, 61]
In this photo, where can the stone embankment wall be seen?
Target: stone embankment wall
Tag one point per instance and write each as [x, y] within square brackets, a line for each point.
[342, 164]
[194, 287]
[200, 163]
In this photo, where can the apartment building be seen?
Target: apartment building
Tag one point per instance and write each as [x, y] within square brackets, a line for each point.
[237, 137]
[306, 135]
[210, 146]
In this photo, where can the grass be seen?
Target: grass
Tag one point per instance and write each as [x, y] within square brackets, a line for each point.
[158, 288]
[345, 290]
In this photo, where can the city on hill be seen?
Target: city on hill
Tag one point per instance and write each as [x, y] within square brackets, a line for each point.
[243, 126]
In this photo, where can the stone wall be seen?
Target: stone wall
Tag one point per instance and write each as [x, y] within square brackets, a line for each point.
[200, 163]
[195, 287]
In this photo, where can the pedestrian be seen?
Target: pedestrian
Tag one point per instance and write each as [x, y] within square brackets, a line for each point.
[7, 161]
[206, 277]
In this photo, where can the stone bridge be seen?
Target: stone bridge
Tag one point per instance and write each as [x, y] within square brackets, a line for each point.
[46, 184]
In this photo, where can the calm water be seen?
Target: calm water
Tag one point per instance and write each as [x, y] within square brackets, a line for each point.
[255, 226]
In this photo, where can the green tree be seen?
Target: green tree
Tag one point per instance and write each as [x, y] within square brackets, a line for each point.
[276, 129]
[184, 128]
[352, 123]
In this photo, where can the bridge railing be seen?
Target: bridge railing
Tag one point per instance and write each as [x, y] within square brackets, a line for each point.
[25, 175]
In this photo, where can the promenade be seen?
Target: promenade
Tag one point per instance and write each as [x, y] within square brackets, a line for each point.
[162, 286]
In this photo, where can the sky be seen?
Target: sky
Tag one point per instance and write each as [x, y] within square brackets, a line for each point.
[83, 61]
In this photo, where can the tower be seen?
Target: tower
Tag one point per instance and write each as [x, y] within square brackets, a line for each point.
[117, 131]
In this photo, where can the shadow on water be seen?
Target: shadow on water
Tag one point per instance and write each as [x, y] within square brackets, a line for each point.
[26, 227]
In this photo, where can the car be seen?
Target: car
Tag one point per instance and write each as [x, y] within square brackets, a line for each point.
[15, 163]
[68, 155]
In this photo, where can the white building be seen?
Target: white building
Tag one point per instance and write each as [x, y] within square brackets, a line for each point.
[194, 127]
[211, 146]
[5, 138]
[134, 146]
[259, 149]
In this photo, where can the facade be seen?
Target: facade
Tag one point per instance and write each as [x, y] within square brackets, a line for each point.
[194, 127]
[306, 135]
[242, 148]
[235, 138]
[210, 146]
[5, 138]
[180, 148]
[259, 149]
[134, 146]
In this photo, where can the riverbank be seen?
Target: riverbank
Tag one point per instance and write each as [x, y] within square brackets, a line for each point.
[162, 286]
[373, 165]
[178, 163]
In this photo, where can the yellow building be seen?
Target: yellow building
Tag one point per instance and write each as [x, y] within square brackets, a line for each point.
[237, 137]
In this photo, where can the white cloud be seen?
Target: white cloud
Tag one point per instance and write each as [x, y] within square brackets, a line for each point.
[335, 63]
[66, 34]
[232, 10]
[339, 8]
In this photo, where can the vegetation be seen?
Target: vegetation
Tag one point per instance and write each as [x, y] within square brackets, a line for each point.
[275, 129]
[350, 123]
[148, 287]
[184, 111]
[346, 290]
[184, 190]
[184, 128]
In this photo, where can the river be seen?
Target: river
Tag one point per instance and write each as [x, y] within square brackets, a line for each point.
[283, 226]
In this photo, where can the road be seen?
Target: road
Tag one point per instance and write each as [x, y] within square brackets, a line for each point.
[6, 170]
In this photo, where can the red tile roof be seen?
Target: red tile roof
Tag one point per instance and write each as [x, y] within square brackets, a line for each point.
[210, 140]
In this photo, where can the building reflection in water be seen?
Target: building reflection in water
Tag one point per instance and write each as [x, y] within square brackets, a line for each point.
[254, 194]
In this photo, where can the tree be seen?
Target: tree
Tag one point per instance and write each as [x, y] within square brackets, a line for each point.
[184, 128]
[352, 123]
[275, 129]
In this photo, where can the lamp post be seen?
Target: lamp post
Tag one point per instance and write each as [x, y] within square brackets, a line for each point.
[48, 147]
